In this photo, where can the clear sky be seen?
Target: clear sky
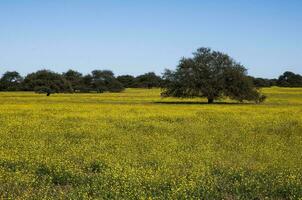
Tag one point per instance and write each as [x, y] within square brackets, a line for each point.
[137, 36]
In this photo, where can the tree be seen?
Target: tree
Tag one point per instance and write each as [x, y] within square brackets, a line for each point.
[104, 81]
[128, 81]
[263, 82]
[87, 83]
[289, 79]
[148, 80]
[210, 74]
[46, 81]
[11, 81]
[75, 78]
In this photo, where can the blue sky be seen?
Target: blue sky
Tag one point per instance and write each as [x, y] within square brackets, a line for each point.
[137, 36]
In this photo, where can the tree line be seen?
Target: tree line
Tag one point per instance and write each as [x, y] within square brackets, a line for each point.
[210, 74]
[104, 80]
[99, 81]
[287, 79]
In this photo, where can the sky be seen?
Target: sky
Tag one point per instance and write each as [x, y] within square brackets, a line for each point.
[139, 36]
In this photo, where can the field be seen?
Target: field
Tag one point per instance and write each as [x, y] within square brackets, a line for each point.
[136, 145]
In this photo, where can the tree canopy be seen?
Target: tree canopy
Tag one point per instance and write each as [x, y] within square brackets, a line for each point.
[75, 79]
[128, 81]
[104, 80]
[290, 79]
[11, 81]
[148, 80]
[210, 74]
[46, 81]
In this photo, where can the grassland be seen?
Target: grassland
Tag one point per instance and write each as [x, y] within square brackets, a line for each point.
[135, 145]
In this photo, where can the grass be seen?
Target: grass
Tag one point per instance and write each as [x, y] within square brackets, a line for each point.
[135, 145]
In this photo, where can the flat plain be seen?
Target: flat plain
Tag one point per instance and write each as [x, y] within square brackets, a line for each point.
[137, 145]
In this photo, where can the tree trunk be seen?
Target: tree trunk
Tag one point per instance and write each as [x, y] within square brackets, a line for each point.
[210, 100]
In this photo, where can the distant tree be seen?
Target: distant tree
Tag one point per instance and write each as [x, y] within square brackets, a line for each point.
[289, 79]
[47, 82]
[263, 82]
[104, 80]
[75, 78]
[11, 81]
[273, 82]
[148, 80]
[210, 74]
[87, 83]
[128, 81]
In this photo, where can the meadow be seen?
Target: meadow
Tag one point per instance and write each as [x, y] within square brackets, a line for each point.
[137, 145]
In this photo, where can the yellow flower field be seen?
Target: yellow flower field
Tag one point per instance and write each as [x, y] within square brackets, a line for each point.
[136, 145]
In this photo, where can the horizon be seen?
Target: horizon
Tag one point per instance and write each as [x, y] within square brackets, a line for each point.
[136, 37]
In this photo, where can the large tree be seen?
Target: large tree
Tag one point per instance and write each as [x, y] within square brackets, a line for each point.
[10, 81]
[47, 82]
[210, 74]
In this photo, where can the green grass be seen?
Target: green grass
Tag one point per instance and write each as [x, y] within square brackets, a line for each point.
[135, 145]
